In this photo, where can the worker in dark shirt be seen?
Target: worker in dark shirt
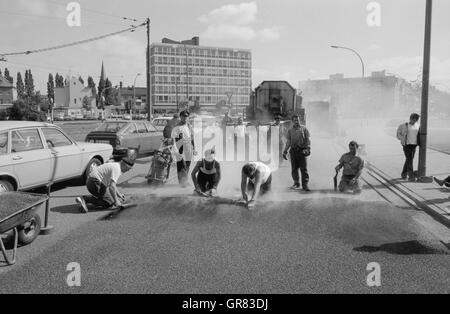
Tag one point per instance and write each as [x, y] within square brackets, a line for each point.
[206, 174]
[298, 145]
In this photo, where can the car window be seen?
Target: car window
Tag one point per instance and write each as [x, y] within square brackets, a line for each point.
[25, 140]
[141, 128]
[151, 128]
[55, 138]
[3, 143]
[130, 129]
[111, 126]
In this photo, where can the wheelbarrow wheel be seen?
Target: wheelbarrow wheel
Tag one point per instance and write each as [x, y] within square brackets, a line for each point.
[30, 230]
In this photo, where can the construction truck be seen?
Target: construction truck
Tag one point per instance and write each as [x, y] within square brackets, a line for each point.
[273, 98]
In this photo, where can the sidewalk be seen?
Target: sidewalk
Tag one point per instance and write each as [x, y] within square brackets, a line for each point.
[384, 157]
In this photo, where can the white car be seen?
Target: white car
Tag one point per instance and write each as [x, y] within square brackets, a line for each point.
[161, 122]
[34, 154]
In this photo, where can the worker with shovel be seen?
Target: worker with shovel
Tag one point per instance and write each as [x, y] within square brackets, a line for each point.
[353, 166]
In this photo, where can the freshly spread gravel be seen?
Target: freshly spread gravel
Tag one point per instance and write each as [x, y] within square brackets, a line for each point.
[12, 202]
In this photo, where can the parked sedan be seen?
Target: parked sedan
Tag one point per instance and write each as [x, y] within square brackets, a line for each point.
[34, 154]
[123, 135]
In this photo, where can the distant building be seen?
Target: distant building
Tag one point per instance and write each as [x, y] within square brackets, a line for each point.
[127, 100]
[213, 75]
[6, 93]
[69, 99]
[377, 95]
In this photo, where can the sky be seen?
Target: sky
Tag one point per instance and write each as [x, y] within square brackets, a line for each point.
[289, 39]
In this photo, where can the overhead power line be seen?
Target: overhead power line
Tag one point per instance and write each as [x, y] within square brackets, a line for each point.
[130, 29]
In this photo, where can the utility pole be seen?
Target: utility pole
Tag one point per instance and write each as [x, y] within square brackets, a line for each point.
[425, 87]
[187, 76]
[149, 99]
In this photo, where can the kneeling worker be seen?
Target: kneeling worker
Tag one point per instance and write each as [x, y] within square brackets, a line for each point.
[256, 178]
[102, 184]
[353, 166]
[208, 177]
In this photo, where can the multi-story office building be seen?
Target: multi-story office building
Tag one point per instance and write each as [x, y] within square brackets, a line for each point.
[207, 76]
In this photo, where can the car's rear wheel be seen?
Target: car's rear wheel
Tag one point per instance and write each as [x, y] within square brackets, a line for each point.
[95, 162]
[30, 230]
[6, 186]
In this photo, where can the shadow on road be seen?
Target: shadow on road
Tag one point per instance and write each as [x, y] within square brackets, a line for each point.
[402, 248]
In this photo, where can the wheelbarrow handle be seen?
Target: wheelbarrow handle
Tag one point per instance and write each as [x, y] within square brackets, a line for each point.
[10, 261]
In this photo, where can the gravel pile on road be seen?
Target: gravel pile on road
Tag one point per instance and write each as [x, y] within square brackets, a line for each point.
[12, 202]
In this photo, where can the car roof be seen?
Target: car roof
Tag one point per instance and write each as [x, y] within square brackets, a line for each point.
[7, 125]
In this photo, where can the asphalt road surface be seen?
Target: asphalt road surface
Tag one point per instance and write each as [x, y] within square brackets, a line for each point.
[292, 242]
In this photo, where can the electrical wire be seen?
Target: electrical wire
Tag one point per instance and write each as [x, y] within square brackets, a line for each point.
[130, 29]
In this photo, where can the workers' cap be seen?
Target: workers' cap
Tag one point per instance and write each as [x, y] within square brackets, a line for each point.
[354, 143]
[210, 154]
[184, 113]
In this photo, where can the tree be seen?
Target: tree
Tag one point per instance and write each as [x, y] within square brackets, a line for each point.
[81, 80]
[100, 88]
[59, 80]
[8, 76]
[29, 84]
[87, 103]
[51, 89]
[19, 110]
[91, 84]
[20, 86]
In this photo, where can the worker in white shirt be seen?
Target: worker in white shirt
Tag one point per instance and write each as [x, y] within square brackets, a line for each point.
[408, 134]
[256, 179]
[102, 184]
[183, 136]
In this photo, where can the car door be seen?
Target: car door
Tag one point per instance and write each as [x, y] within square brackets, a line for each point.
[154, 137]
[144, 137]
[32, 161]
[67, 155]
[6, 166]
[130, 137]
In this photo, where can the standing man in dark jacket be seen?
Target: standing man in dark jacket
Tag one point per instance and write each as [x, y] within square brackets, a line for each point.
[299, 144]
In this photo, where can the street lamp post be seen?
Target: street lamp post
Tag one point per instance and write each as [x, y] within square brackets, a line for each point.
[134, 96]
[425, 87]
[354, 51]
[187, 75]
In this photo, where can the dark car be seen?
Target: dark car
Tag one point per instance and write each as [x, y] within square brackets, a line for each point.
[123, 135]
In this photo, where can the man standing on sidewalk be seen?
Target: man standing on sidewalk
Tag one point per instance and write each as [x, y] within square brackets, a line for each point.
[299, 145]
[183, 137]
[408, 134]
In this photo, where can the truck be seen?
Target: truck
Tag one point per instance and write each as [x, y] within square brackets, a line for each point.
[273, 98]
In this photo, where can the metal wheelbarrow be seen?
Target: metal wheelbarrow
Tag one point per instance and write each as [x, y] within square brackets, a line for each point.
[18, 213]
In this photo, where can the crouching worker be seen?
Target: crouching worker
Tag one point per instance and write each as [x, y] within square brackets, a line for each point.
[256, 179]
[206, 174]
[353, 166]
[102, 184]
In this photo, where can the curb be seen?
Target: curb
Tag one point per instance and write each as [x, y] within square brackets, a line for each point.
[436, 212]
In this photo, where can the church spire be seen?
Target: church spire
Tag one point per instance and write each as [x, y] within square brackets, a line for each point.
[102, 74]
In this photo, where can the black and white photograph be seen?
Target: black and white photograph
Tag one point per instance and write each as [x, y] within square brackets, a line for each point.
[225, 153]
